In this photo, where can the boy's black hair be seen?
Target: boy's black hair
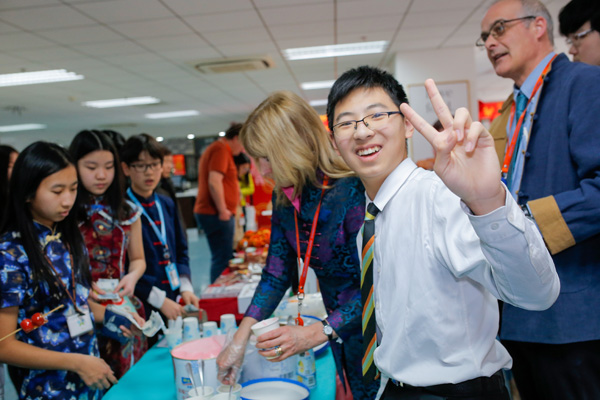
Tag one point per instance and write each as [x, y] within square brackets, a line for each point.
[133, 147]
[38, 161]
[241, 159]
[86, 142]
[578, 12]
[233, 131]
[363, 77]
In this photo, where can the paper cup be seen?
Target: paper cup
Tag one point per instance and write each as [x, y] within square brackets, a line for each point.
[225, 396]
[227, 323]
[197, 393]
[174, 337]
[191, 330]
[265, 326]
[209, 328]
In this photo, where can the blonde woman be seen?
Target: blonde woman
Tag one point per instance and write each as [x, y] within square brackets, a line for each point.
[291, 145]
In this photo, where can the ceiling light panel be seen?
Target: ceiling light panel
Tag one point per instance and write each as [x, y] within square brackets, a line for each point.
[173, 114]
[338, 50]
[32, 78]
[124, 102]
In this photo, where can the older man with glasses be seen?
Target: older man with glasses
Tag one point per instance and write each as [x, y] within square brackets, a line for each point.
[548, 140]
[580, 24]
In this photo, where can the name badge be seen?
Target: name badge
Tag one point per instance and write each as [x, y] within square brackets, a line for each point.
[173, 276]
[80, 323]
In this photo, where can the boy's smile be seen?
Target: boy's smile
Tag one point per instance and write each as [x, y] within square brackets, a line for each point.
[372, 154]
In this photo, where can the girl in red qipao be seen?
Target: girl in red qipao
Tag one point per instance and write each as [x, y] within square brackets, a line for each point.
[112, 230]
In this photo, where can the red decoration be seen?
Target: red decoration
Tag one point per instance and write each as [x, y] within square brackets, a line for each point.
[38, 319]
[489, 111]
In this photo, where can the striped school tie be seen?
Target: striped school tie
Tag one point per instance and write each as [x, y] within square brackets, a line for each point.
[369, 369]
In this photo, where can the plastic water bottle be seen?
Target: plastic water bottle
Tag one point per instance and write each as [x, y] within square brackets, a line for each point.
[307, 368]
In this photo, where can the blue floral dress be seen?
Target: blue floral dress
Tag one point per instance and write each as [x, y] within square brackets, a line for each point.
[18, 289]
[335, 262]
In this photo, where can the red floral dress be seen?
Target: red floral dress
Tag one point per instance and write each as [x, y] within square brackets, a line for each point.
[107, 242]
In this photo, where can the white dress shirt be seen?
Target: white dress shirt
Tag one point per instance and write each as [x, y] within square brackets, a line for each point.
[438, 271]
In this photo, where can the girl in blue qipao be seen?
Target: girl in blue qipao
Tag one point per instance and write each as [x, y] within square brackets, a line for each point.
[44, 265]
[291, 145]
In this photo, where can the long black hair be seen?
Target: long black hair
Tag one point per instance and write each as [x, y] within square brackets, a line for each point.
[38, 161]
[86, 142]
[5, 152]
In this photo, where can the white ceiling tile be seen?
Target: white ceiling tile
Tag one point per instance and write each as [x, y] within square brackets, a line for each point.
[6, 28]
[124, 10]
[182, 56]
[448, 17]
[292, 14]
[152, 28]
[122, 47]
[225, 21]
[88, 34]
[283, 3]
[362, 9]
[293, 31]
[23, 41]
[39, 18]
[237, 36]
[368, 24]
[18, 4]
[246, 49]
[173, 43]
[187, 7]
[47, 54]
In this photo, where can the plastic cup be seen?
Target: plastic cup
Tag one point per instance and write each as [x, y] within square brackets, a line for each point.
[225, 396]
[198, 394]
[224, 390]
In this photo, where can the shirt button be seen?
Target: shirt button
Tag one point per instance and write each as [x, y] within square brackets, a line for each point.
[378, 270]
[495, 226]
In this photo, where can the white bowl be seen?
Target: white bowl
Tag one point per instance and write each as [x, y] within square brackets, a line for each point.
[274, 389]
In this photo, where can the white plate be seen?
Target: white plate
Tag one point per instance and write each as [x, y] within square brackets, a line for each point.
[274, 389]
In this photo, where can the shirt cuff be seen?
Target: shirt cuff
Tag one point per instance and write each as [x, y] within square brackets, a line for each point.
[157, 297]
[186, 284]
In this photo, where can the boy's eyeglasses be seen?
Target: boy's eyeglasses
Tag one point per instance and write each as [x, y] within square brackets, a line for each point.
[498, 29]
[144, 167]
[373, 122]
[575, 39]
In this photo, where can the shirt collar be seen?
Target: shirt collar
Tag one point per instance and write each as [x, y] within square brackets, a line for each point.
[527, 86]
[393, 183]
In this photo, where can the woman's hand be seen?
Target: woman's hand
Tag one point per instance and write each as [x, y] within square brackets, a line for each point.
[126, 285]
[291, 339]
[171, 309]
[94, 372]
[95, 292]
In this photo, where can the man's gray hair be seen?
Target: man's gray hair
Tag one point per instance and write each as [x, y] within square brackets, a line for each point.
[537, 9]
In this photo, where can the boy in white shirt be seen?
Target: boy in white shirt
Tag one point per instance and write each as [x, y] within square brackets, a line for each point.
[447, 243]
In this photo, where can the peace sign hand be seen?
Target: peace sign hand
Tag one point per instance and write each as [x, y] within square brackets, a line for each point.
[465, 157]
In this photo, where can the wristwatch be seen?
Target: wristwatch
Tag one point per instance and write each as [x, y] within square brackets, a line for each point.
[327, 329]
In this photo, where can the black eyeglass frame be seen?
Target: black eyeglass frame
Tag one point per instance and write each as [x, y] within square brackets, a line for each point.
[389, 113]
[480, 42]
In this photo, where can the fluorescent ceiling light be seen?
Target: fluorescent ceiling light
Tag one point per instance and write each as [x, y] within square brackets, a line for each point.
[221, 134]
[160, 139]
[191, 136]
[317, 103]
[172, 114]
[31, 78]
[127, 101]
[337, 50]
[22, 127]
[317, 85]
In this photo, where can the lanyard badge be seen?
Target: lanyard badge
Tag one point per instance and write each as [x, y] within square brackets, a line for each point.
[171, 268]
[302, 266]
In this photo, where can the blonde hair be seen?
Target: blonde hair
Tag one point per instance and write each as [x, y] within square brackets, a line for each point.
[289, 133]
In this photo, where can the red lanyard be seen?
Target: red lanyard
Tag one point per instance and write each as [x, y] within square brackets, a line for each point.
[511, 148]
[309, 248]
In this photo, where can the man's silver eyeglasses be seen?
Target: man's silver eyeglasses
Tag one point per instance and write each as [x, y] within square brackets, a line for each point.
[498, 29]
[144, 167]
[574, 40]
[373, 122]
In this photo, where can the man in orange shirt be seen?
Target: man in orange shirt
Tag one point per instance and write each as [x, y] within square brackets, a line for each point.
[218, 196]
